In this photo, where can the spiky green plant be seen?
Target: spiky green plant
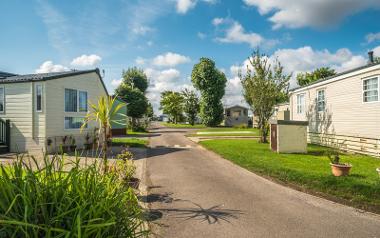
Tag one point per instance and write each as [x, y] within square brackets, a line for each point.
[58, 198]
[104, 113]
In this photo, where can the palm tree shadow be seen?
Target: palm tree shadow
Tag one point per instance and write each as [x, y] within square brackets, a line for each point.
[212, 215]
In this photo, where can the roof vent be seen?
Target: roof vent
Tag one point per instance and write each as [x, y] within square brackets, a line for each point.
[370, 57]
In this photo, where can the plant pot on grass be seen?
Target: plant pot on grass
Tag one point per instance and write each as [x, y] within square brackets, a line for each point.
[340, 169]
[337, 168]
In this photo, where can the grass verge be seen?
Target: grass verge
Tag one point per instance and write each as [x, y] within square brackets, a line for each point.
[226, 131]
[129, 142]
[309, 172]
[179, 125]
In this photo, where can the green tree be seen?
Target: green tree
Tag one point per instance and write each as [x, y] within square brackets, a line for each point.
[211, 83]
[264, 86]
[191, 105]
[137, 103]
[172, 104]
[149, 111]
[304, 79]
[104, 113]
[132, 89]
[135, 78]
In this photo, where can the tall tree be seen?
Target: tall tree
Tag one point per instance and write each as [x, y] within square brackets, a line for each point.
[149, 111]
[211, 83]
[135, 78]
[264, 85]
[132, 89]
[137, 103]
[172, 104]
[191, 105]
[304, 79]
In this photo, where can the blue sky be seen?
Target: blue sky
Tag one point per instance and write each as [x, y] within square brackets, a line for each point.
[167, 37]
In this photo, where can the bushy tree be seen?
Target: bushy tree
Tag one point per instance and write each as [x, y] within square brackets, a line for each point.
[135, 78]
[149, 111]
[137, 103]
[191, 105]
[211, 83]
[172, 104]
[264, 86]
[132, 90]
[304, 79]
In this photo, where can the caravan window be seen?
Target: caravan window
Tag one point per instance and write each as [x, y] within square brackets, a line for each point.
[38, 98]
[371, 90]
[321, 102]
[300, 103]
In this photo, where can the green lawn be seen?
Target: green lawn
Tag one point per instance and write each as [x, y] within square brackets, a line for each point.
[310, 172]
[179, 125]
[226, 131]
[131, 142]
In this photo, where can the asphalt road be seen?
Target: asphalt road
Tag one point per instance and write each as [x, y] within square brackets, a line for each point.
[195, 193]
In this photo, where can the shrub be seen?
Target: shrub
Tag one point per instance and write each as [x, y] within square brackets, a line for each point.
[59, 199]
[241, 126]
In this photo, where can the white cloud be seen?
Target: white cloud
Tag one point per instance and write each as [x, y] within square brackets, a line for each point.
[306, 59]
[183, 6]
[142, 30]
[86, 60]
[371, 37]
[162, 80]
[235, 33]
[49, 67]
[201, 35]
[140, 61]
[301, 13]
[116, 82]
[217, 21]
[170, 59]
[58, 29]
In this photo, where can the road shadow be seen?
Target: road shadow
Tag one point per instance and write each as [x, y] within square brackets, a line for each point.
[161, 150]
[150, 134]
[191, 210]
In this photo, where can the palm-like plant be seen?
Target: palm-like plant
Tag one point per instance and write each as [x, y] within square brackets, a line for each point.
[104, 113]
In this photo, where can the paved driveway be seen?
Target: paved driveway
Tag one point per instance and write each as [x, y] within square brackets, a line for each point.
[195, 193]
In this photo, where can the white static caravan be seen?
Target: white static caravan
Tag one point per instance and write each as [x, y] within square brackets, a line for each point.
[47, 107]
[342, 110]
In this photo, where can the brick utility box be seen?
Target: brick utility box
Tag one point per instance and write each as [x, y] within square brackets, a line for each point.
[288, 136]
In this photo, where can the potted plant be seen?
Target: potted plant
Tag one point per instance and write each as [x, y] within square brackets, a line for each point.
[337, 168]
[73, 145]
[129, 168]
[87, 144]
[64, 147]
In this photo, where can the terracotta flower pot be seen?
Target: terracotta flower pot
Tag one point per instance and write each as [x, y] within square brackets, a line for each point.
[340, 169]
